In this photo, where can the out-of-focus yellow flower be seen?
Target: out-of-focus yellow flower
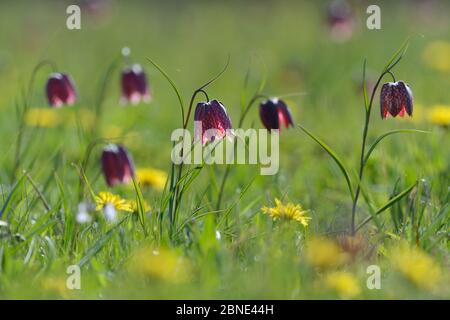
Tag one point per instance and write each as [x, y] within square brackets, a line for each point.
[112, 131]
[151, 177]
[83, 117]
[416, 266]
[55, 286]
[440, 115]
[162, 264]
[287, 212]
[344, 283]
[42, 117]
[437, 55]
[324, 253]
[107, 198]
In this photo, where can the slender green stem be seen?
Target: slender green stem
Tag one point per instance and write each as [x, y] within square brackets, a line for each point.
[363, 160]
[27, 103]
[228, 167]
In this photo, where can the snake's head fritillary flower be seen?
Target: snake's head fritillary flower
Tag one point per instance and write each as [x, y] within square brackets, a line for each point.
[211, 121]
[274, 114]
[396, 99]
[117, 165]
[135, 85]
[60, 90]
[340, 20]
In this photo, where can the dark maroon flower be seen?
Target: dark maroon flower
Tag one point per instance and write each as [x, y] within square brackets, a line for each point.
[274, 113]
[396, 99]
[60, 90]
[211, 121]
[134, 85]
[117, 165]
[340, 20]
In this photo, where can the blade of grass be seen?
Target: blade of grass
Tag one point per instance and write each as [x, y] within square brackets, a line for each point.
[392, 201]
[334, 157]
[380, 138]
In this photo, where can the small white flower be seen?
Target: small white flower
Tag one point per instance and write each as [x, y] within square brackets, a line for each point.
[110, 212]
[218, 235]
[83, 215]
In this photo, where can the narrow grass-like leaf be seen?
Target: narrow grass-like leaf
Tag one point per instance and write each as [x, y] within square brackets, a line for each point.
[100, 243]
[11, 196]
[380, 138]
[334, 157]
[392, 201]
[397, 56]
[172, 84]
[366, 98]
[140, 206]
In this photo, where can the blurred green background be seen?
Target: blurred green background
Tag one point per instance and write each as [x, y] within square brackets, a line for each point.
[288, 42]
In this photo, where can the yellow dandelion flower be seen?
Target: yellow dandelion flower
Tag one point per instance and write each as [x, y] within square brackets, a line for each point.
[112, 131]
[324, 253]
[42, 117]
[344, 283]
[288, 212]
[56, 286]
[151, 177]
[440, 115]
[107, 198]
[162, 264]
[437, 55]
[82, 116]
[416, 266]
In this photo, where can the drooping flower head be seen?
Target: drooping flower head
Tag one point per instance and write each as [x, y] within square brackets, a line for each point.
[60, 90]
[340, 20]
[134, 85]
[211, 121]
[396, 99]
[274, 113]
[117, 165]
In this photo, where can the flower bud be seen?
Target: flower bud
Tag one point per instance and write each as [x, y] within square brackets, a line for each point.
[134, 85]
[274, 113]
[117, 165]
[396, 99]
[60, 90]
[211, 121]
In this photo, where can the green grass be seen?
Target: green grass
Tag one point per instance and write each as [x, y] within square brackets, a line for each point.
[285, 42]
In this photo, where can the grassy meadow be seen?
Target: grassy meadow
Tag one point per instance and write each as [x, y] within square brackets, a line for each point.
[50, 158]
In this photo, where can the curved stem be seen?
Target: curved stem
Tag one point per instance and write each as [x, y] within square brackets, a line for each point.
[27, 103]
[363, 147]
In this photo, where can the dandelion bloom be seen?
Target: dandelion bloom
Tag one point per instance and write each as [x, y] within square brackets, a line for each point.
[211, 121]
[437, 55]
[396, 99]
[324, 253]
[117, 165]
[161, 265]
[60, 90]
[105, 201]
[134, 85]
[416, 266]
[288, 212]
[440, 115]
[151, 177]
[42, 118]
[344, 283]
[274, 113]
